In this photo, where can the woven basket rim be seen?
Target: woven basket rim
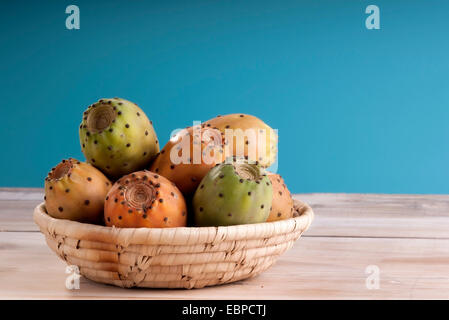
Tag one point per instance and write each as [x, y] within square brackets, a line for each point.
[178, 235]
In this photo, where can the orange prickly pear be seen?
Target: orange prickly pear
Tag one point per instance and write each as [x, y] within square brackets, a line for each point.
[282, 207]
[76, 190]
[145, 199]
[248, 136]
[189, 156]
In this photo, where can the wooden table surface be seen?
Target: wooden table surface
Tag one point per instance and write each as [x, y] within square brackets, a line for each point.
[405, 236]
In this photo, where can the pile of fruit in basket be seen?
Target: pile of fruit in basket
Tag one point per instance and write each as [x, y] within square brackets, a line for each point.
[210, 174]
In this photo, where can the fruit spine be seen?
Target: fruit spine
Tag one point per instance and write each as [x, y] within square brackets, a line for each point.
[117, 137]
[231, 194]
[76, 191]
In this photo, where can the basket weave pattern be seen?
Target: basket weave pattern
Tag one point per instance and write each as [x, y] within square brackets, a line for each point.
[189, 257]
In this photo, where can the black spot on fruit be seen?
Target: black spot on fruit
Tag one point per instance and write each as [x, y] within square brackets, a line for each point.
[60, 209]
[86, 202]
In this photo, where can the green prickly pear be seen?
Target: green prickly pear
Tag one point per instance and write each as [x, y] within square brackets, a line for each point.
[231, 194]
[117, 137]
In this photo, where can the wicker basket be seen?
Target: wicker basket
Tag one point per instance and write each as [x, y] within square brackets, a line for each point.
[189, 257]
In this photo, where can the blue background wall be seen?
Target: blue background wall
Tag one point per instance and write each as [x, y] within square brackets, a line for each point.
[357, 110]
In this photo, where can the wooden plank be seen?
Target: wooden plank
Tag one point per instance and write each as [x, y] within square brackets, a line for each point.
[17, 215]
[378, 215]
[347, 215]
[21, 194]
[315, 268]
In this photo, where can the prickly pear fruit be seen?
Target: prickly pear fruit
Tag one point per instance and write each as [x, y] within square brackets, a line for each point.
[117, 137]
[76, 190]
[255, 140]
[282, 207]
[189, 156]
[145, 199]
[233, 193]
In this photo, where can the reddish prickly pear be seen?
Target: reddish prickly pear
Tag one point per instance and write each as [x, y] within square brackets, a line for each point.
[145, 199]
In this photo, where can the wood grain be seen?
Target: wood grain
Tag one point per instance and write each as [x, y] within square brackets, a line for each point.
[379, 215]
